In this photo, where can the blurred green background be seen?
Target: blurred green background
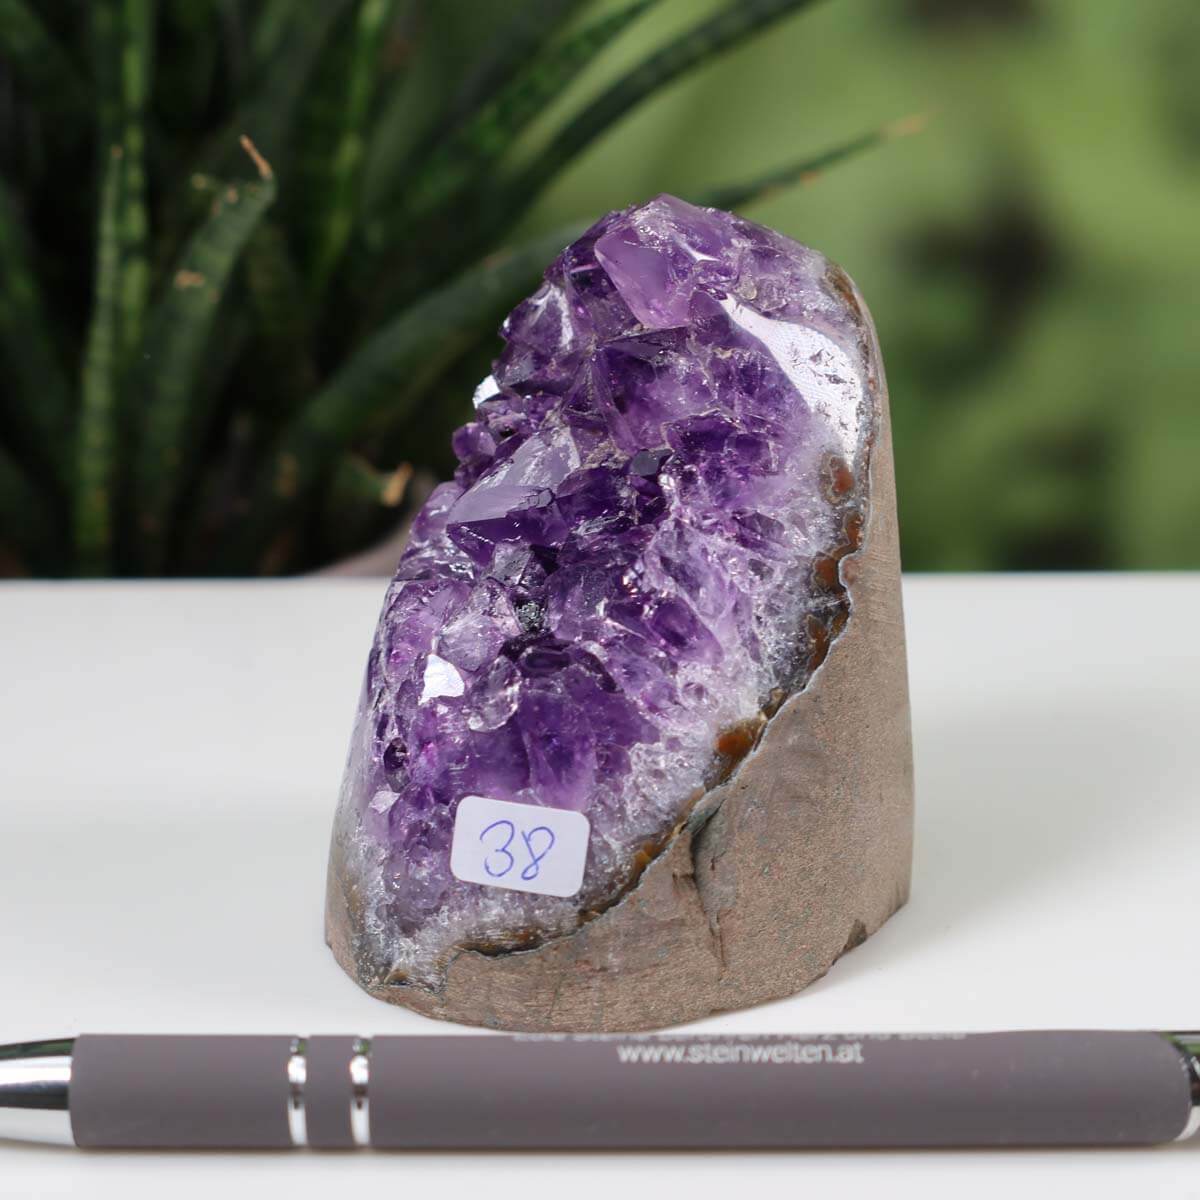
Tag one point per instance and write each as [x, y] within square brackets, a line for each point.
[1032, 260]
[1031, 257]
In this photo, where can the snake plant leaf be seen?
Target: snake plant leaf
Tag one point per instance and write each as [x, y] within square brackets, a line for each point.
[34, 398]
[530, 26]
[249, 370]
[282, 325]
[468, 153]
[334, 145]
[171, 418]
[392, 367]
[508, 198]
[436, 93]
[727, 28]
[805, 171]
[96, 433]
[389, 373]
[268, 113]
[458, 238]
[137, 36]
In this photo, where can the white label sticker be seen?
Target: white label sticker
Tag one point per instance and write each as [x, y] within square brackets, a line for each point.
[523, 847]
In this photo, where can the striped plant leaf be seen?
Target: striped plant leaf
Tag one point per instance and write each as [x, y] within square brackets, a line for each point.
[34, 398]
[268, 113]
[136, 39]
[177, 337]
[96, 441]
[727, 28]
[806, 170]
[281, 322]
[467, 154]
[529, 27]
[392, 367]
[192, 433]
[437, 93]
[389, 373]
[333, 153]
[450, 238]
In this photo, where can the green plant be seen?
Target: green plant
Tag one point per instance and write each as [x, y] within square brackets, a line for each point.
[247, 248]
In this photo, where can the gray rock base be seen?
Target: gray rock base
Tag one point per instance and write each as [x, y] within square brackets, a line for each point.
[800, 856]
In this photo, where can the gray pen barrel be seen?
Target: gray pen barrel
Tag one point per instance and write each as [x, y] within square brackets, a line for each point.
[164, 1091]
[1068, 1088]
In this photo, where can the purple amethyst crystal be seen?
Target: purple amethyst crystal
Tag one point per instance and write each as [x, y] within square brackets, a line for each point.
[637, 561]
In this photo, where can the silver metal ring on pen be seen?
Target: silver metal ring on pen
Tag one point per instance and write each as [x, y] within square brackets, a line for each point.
[1188, 1045]
[297, 1076]
[360, 1093]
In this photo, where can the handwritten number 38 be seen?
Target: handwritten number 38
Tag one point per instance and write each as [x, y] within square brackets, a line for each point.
[500, 859]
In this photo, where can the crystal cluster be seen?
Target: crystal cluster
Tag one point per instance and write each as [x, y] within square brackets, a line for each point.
[637, 560]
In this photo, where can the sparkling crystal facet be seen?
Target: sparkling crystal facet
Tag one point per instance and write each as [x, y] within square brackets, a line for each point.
[638, 558]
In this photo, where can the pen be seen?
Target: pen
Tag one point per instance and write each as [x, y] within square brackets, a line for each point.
[604, 1092]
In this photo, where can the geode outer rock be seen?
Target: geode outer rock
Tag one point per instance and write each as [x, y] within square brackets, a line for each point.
[662, 591]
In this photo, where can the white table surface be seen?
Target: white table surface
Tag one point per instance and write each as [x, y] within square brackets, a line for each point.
[171, 755]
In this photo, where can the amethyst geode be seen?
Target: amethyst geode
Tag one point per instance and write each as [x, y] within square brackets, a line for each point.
[639, 560]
